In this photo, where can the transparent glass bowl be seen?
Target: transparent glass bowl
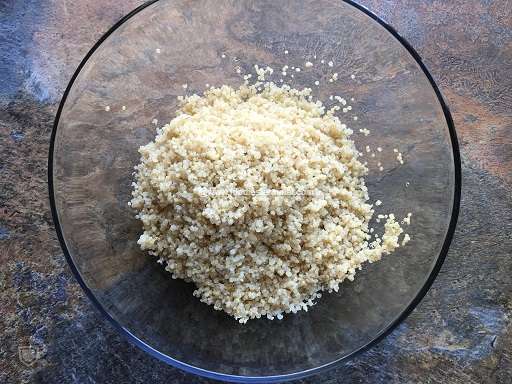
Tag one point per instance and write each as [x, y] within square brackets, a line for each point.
[142, 64]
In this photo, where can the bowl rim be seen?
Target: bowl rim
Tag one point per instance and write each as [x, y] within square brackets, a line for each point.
[281, 377]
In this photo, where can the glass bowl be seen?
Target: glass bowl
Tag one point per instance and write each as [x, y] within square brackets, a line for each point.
[129, 83]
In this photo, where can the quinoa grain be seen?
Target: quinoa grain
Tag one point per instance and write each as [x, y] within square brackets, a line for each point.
[257, 197]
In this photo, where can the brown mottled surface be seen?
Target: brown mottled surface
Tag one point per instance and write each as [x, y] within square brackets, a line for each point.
[460, 333]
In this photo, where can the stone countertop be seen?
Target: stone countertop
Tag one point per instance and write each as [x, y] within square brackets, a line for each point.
[460, 333]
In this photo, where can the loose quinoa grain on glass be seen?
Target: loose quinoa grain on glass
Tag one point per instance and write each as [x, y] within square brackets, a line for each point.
[257, 195]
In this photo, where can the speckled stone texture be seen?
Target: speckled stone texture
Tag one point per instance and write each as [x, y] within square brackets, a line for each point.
[460, 333]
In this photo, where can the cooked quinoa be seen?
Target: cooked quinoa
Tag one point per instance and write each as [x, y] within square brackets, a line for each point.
[258, 198]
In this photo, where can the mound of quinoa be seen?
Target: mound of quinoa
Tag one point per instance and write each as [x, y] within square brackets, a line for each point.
[258, 198]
